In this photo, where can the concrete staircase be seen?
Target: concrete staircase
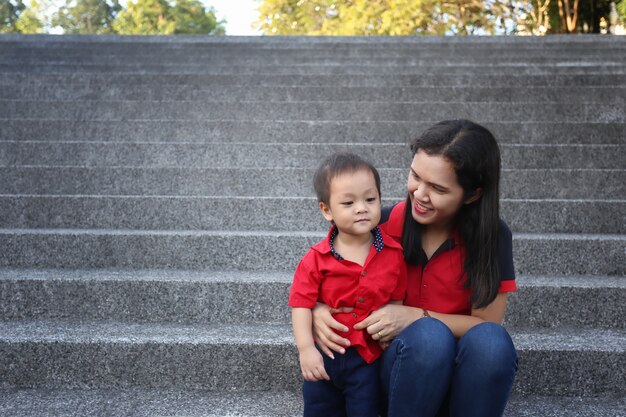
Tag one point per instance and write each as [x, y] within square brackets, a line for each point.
[155, 197]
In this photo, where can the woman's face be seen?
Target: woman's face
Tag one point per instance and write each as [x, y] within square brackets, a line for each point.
[436, 196]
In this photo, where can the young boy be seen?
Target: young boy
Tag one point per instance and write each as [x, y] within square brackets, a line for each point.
[357, 266]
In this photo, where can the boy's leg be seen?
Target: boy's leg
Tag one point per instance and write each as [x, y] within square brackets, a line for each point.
[362, 386]
[324, 398]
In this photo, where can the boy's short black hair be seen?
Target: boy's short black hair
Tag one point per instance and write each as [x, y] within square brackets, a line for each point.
[335, 165]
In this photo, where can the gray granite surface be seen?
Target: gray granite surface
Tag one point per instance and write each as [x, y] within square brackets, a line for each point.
[195, 403]
[571, 79]
[279, 182]
[292, 155]
[534, 254]
[277, 213]
[225, 93]
[368, 111]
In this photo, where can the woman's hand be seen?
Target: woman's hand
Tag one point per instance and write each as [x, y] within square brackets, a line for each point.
[388, 321]
[323, 333]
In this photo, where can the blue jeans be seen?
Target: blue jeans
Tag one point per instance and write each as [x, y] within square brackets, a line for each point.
[353, 389]
[427, 372]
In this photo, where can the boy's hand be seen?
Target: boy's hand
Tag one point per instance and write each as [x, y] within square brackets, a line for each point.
[312, 365]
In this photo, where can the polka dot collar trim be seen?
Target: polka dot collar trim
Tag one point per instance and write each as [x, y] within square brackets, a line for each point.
[378, 242]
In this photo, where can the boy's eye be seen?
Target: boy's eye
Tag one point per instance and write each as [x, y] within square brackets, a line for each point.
[371, 199]
[346, 203]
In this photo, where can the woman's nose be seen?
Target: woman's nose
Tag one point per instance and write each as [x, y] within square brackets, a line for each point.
[420, 192]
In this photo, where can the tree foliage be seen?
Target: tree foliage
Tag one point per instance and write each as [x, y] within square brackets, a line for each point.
[87, 16]
[159, 17]
[31, 20]
[145, 17]
[10, 11]
[383, 17]
[411, 17]
[192, 18]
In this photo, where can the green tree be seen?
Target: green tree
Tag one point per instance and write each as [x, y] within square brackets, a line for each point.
[192, 18]
[87, 16]
[30, 20]
[10, 11]
[383, 17]
[145, 17]
[151, 17]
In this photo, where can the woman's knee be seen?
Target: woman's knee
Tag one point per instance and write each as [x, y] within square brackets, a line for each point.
[427, 342]
[489, 346]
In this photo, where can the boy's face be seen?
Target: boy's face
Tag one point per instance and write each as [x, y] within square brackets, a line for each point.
[354, 203]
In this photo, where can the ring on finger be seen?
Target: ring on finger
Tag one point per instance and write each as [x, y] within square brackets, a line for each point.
[380, 335]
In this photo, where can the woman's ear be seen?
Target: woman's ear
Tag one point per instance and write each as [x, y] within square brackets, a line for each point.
[475, 197]
[326, 211]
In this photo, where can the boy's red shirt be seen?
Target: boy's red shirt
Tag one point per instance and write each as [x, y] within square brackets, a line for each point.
[439, 284]
[341, 283]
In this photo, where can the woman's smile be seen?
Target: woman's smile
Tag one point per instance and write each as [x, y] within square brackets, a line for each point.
[420, 209]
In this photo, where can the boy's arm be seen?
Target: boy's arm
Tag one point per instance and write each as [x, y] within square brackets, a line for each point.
[311, 361]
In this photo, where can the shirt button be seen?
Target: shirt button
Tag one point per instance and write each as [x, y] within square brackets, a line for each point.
[354, 315]
[363, 273]
[361, 299]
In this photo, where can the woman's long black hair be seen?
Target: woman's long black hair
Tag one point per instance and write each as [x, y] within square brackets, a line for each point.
[474, 153]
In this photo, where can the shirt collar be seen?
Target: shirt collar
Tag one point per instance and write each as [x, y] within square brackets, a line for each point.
[449, 244]
[378, 243]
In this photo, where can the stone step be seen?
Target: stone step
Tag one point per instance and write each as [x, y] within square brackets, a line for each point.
[151, 402]
[558, 41]
[53, 354]
[214, 57]
[217, 297]
[277, 131]
[534, 254]
[278, 155]
[260, 110]
[235, 93]
[272, 213]
[587, 184]
[106, 80]
[148, 403]
[591, 68]
[225, 47]
[277, 214]
[142, 402]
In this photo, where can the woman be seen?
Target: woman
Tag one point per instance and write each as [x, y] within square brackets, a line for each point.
[446, 352]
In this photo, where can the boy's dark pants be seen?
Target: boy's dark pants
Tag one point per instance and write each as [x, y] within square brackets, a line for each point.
[353, 389]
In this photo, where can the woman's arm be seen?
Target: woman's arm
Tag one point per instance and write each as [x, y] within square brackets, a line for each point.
[460, 324]
[391, 319]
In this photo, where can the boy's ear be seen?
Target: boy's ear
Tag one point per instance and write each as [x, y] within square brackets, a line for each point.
[326, 211]
[477, 194]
